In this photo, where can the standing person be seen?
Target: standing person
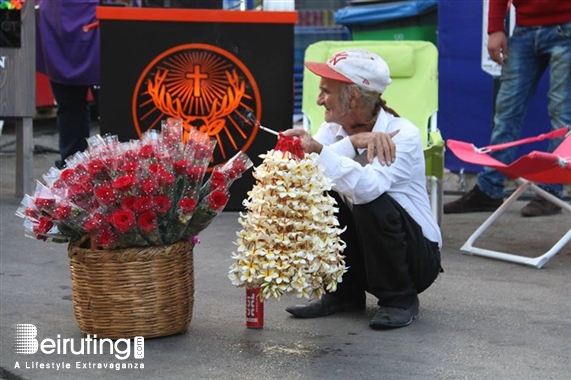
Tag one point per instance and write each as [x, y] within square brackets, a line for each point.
[69, 57]
[541, 38]
[393, 242]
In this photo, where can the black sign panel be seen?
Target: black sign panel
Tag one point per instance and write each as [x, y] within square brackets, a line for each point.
[210, 74]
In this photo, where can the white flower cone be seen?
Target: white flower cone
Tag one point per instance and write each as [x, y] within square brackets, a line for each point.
[290, 241]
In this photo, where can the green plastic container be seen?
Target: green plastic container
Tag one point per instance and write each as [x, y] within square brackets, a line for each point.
[417, 28]
[411, 33]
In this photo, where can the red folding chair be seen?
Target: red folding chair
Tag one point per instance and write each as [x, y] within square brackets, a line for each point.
[534, 167]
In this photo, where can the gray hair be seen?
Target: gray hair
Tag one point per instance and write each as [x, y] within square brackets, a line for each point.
[369, 99]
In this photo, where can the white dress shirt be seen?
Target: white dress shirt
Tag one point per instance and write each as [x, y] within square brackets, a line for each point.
[404, 180]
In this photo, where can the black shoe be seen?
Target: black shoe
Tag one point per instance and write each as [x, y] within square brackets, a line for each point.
[473, 201]
[328, 304]
[393, 317]
[540, 207]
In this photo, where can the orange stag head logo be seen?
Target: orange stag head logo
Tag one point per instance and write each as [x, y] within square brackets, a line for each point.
[206, 87]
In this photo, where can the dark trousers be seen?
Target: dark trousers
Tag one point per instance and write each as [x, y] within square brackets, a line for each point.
[72, 118]
[387, 254]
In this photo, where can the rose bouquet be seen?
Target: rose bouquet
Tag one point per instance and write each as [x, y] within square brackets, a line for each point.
[290, 240]
[144, 192]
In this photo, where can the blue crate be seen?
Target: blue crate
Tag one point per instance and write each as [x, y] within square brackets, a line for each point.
[298, 55]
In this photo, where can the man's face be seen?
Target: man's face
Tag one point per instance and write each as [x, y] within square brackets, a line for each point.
[329, 98]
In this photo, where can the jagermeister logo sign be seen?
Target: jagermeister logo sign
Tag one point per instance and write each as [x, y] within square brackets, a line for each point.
[207, 87]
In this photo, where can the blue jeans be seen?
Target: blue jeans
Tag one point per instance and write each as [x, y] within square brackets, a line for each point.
[73, 119]
[530, 51]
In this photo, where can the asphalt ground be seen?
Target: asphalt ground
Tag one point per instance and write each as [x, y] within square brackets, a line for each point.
[481, 319]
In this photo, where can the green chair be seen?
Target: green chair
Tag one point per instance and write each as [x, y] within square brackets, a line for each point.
[413, 93]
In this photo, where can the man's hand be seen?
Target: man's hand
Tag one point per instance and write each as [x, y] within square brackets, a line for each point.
[498, 47]
[377, 144]
[308, 144]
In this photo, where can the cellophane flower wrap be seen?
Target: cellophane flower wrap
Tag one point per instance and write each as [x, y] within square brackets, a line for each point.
[290, 238]
[214, 193]
[126, 194]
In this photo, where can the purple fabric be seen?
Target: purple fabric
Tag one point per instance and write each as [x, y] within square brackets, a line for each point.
[65, 53]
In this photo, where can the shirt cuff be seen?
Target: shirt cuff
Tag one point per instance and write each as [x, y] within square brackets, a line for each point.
[329, 159]
[344, 148]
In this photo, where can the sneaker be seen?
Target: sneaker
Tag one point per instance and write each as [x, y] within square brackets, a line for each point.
[326, 305]
[394, 317]
[540, 207]
[473, 201]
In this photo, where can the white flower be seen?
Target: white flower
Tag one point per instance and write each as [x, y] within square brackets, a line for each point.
[234, 277]
[289, 242]
[247, 277]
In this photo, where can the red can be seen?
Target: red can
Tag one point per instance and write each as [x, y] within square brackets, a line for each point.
[254, 309]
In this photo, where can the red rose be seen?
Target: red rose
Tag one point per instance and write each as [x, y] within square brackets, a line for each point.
[171, 136]
[105, 195]
[239, 166]
[218, 200]
[201, 152]
[77, 192]
[95, 223]
[124, 183]
[162, 204]
[217, 176]
[236, 170]
[129, 156]
[62, 212]
[106, 238]
[45, 203]
[80, 169]
[187, 204]
[194, 173]
[59, 184]
[131, 167]
[165, 178]
[142, 204]
[123, 220]
[146, 151]
[94, 167]
[218, 185]
[148, 221]
[155, 168]
[217, 181]
[32, 213]
[181, 166]
[86, 181]
[232, 173]
[43, 227]
[129, 202]
[67, 175]
[147, 186]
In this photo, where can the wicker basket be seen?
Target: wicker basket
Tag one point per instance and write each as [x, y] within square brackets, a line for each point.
[143, 291]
